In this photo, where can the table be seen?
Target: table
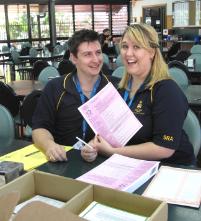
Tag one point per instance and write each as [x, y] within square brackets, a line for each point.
[76, 166]
[195, 76]
[25, 87]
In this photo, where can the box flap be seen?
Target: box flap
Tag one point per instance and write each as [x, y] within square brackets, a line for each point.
[39, 211]
[7, 204]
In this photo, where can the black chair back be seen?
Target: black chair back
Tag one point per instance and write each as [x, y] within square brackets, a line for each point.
[65, 67]
[38, 67]
[28, 107]
[9, 99]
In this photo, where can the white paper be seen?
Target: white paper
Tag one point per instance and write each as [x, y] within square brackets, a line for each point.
[121, 172]
[99, 212]
[176, 186]
[44, 199]
[109, 116]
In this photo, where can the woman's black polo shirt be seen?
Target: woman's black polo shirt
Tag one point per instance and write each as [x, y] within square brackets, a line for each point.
[57, 110]
[162, 112]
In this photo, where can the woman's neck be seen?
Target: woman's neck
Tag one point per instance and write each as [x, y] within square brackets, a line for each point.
[136, 83]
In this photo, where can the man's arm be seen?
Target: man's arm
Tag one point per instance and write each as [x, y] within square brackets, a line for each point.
[44, 140]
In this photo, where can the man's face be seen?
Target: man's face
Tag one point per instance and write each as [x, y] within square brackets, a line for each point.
[107, 33]
[89, 59]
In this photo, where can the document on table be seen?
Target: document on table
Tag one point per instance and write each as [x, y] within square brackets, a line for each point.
[98, 212]
[121, 172]
[176, 186]
[30, 156]
[109, 116]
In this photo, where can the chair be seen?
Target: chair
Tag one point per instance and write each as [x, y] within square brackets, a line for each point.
[9, 99]
[65, 67]
[106, 59]
[192, 129]
[196, 49]
[182, 55]
[48, 73]
[197, 58]
[180, 65]
[179, 76]
[27, 110]
[118, 72]
[173, 51]
[119, 61]
[20, 66]
[38, 66]
[33, 52]
[7, 128]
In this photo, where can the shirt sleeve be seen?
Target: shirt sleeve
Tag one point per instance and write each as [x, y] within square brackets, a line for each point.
[169, 110]
[45, 112]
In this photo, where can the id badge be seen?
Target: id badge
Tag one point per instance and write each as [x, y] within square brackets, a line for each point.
[78, 145]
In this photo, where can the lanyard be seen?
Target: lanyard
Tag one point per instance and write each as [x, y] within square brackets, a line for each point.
[82, 97]
[126, 94]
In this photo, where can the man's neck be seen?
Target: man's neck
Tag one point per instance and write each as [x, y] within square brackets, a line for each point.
[87, 82]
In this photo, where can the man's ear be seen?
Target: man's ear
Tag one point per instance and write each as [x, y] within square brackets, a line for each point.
[73, 58]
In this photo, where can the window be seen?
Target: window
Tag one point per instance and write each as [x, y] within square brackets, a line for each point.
[3, 35]
[64, 20]
[18, 23]
[119, 19]
[101, 17]
[83, 17]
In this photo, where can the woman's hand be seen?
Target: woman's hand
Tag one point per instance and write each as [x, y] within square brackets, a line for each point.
[103, 146]
[89, 154]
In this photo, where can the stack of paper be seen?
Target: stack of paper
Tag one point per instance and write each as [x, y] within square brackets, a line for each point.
[120, 172]
[30, 156]
[109, 116]
[176, 186]
[98, 212]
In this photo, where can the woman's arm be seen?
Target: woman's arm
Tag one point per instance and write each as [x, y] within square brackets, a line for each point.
[145, 151]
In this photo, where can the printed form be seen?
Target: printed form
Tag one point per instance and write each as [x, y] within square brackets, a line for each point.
[121, 172]
[176, 186]
[109, 116]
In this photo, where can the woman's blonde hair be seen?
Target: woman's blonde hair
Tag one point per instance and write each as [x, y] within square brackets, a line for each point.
[146, 37]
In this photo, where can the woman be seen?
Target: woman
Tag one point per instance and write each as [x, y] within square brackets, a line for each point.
[154, 98]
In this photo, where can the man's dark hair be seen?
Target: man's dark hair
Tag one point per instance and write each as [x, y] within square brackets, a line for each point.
[106, 30]
[84, 35]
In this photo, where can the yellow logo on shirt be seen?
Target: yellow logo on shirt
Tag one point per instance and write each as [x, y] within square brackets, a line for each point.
[138, 108]
[168, 138]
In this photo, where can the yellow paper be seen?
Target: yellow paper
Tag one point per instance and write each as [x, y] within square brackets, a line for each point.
[30, 156]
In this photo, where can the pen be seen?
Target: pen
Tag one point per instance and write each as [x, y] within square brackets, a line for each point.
[30, 154]
[197, 99]
[82, 141]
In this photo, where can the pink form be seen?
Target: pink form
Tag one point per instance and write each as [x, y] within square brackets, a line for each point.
[109, 116]
[120, 172]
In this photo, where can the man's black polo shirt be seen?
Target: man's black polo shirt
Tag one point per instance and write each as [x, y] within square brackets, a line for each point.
[162, 112]
[57, 110]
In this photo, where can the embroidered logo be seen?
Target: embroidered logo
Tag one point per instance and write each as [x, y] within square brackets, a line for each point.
[168, 138]
[138, 108]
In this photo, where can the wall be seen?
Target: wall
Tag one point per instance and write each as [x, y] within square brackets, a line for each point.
[137, 7]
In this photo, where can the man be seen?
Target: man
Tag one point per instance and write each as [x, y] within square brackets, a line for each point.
[57, 121]
[107, 43]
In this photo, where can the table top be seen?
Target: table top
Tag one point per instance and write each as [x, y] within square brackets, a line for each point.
[76, 166]
[193, 94]
[25, 87]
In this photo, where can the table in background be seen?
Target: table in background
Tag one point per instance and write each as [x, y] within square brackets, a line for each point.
[76, 166]
[25, 87]
[195, 76]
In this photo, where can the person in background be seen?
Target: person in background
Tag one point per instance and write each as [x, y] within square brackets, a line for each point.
[155, 99]
[107, 43]
[57, 121]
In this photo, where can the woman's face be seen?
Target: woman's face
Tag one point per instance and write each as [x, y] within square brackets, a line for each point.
[137, 60]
